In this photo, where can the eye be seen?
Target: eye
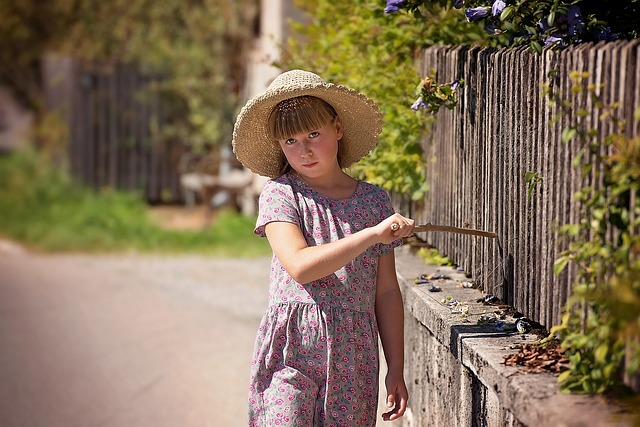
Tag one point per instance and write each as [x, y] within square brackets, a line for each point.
[314, 134]
[289, 141]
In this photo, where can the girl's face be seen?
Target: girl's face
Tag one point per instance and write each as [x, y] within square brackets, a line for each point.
[313, 154]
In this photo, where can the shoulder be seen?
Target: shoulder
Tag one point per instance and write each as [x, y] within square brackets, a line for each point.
[376, 198]
[281, 188]
[276, 185]
[371, 190]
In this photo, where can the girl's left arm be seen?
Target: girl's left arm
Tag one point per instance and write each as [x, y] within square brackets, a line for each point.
[390, 314]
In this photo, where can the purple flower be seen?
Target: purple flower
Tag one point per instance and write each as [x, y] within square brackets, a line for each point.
[394, 6]
[570, 24]
[573, 21]
[607, 35]
[458, 4]
[492, 28]
[497, 7]
[455, 85]
[475, 13]
[553, 40]
[419, 104]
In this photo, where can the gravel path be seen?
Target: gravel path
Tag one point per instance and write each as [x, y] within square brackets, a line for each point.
[126, 340]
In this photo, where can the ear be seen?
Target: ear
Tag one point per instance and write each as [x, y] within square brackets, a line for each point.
[339, 127]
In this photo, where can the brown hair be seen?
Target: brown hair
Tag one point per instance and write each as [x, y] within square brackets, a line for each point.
[298, 115]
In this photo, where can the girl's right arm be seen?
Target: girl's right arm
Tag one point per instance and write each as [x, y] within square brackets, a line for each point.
[307, 263]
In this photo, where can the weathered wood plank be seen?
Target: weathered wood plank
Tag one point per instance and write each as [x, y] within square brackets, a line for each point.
[502, 128]
[111, 142]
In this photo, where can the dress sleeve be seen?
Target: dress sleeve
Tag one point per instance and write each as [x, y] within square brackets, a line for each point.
[276, 203]
[386, 210]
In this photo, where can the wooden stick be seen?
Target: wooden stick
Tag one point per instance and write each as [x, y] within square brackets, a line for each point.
[449, 229]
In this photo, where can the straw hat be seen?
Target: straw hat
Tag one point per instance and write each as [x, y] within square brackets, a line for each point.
[254, 148]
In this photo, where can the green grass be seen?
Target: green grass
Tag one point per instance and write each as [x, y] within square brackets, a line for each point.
[44, 209]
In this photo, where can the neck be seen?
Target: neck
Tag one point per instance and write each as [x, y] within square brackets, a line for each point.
[331, 179]
[337, 185]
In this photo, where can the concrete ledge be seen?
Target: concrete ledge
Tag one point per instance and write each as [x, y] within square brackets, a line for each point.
[454, 367]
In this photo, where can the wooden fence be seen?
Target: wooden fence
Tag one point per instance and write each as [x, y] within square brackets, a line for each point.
[112, 117]
[478, 155]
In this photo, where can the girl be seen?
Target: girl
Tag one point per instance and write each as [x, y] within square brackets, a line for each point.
[333, 287]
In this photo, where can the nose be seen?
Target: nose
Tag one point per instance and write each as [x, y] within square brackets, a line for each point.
[305, 149]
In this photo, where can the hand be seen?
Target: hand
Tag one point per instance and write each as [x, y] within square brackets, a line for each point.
[397, 397]
[395, 227]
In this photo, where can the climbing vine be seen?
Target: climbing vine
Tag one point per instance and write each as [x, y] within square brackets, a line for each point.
[539, 23]
[600, 328]
[432, 96]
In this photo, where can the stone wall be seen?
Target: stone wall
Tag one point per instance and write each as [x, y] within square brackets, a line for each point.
[454, 367]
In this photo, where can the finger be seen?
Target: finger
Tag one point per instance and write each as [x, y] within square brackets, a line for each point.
[401, 226]
[391, 415]
[387, 416]
[390, 404]
[402, 407]
[398, 410]
[391, 401]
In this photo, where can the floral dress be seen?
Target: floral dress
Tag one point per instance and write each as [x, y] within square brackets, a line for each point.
[315, 361]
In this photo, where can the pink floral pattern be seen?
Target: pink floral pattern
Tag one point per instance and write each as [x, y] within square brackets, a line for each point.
[315, 361]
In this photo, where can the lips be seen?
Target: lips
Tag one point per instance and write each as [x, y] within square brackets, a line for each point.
[310, 165]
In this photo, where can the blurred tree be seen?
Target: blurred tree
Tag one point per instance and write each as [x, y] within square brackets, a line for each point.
[198, 44]
[27, 29]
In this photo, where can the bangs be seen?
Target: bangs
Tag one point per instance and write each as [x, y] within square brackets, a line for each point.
[299, 115]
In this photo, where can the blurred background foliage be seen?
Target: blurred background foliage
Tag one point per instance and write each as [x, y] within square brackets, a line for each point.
[201, 47]
[198, 45]
[43, 208]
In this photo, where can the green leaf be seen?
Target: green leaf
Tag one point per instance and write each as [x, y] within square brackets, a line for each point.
[568, 134]
[551, 19]
[536, 47]
[533, 178]
[507, 13]
[560, 264]
[564, 376]
[600, 354]
[577, 159]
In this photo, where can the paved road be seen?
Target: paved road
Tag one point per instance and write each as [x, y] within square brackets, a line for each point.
[126, 341]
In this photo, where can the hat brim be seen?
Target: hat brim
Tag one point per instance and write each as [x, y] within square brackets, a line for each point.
[254, 148]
